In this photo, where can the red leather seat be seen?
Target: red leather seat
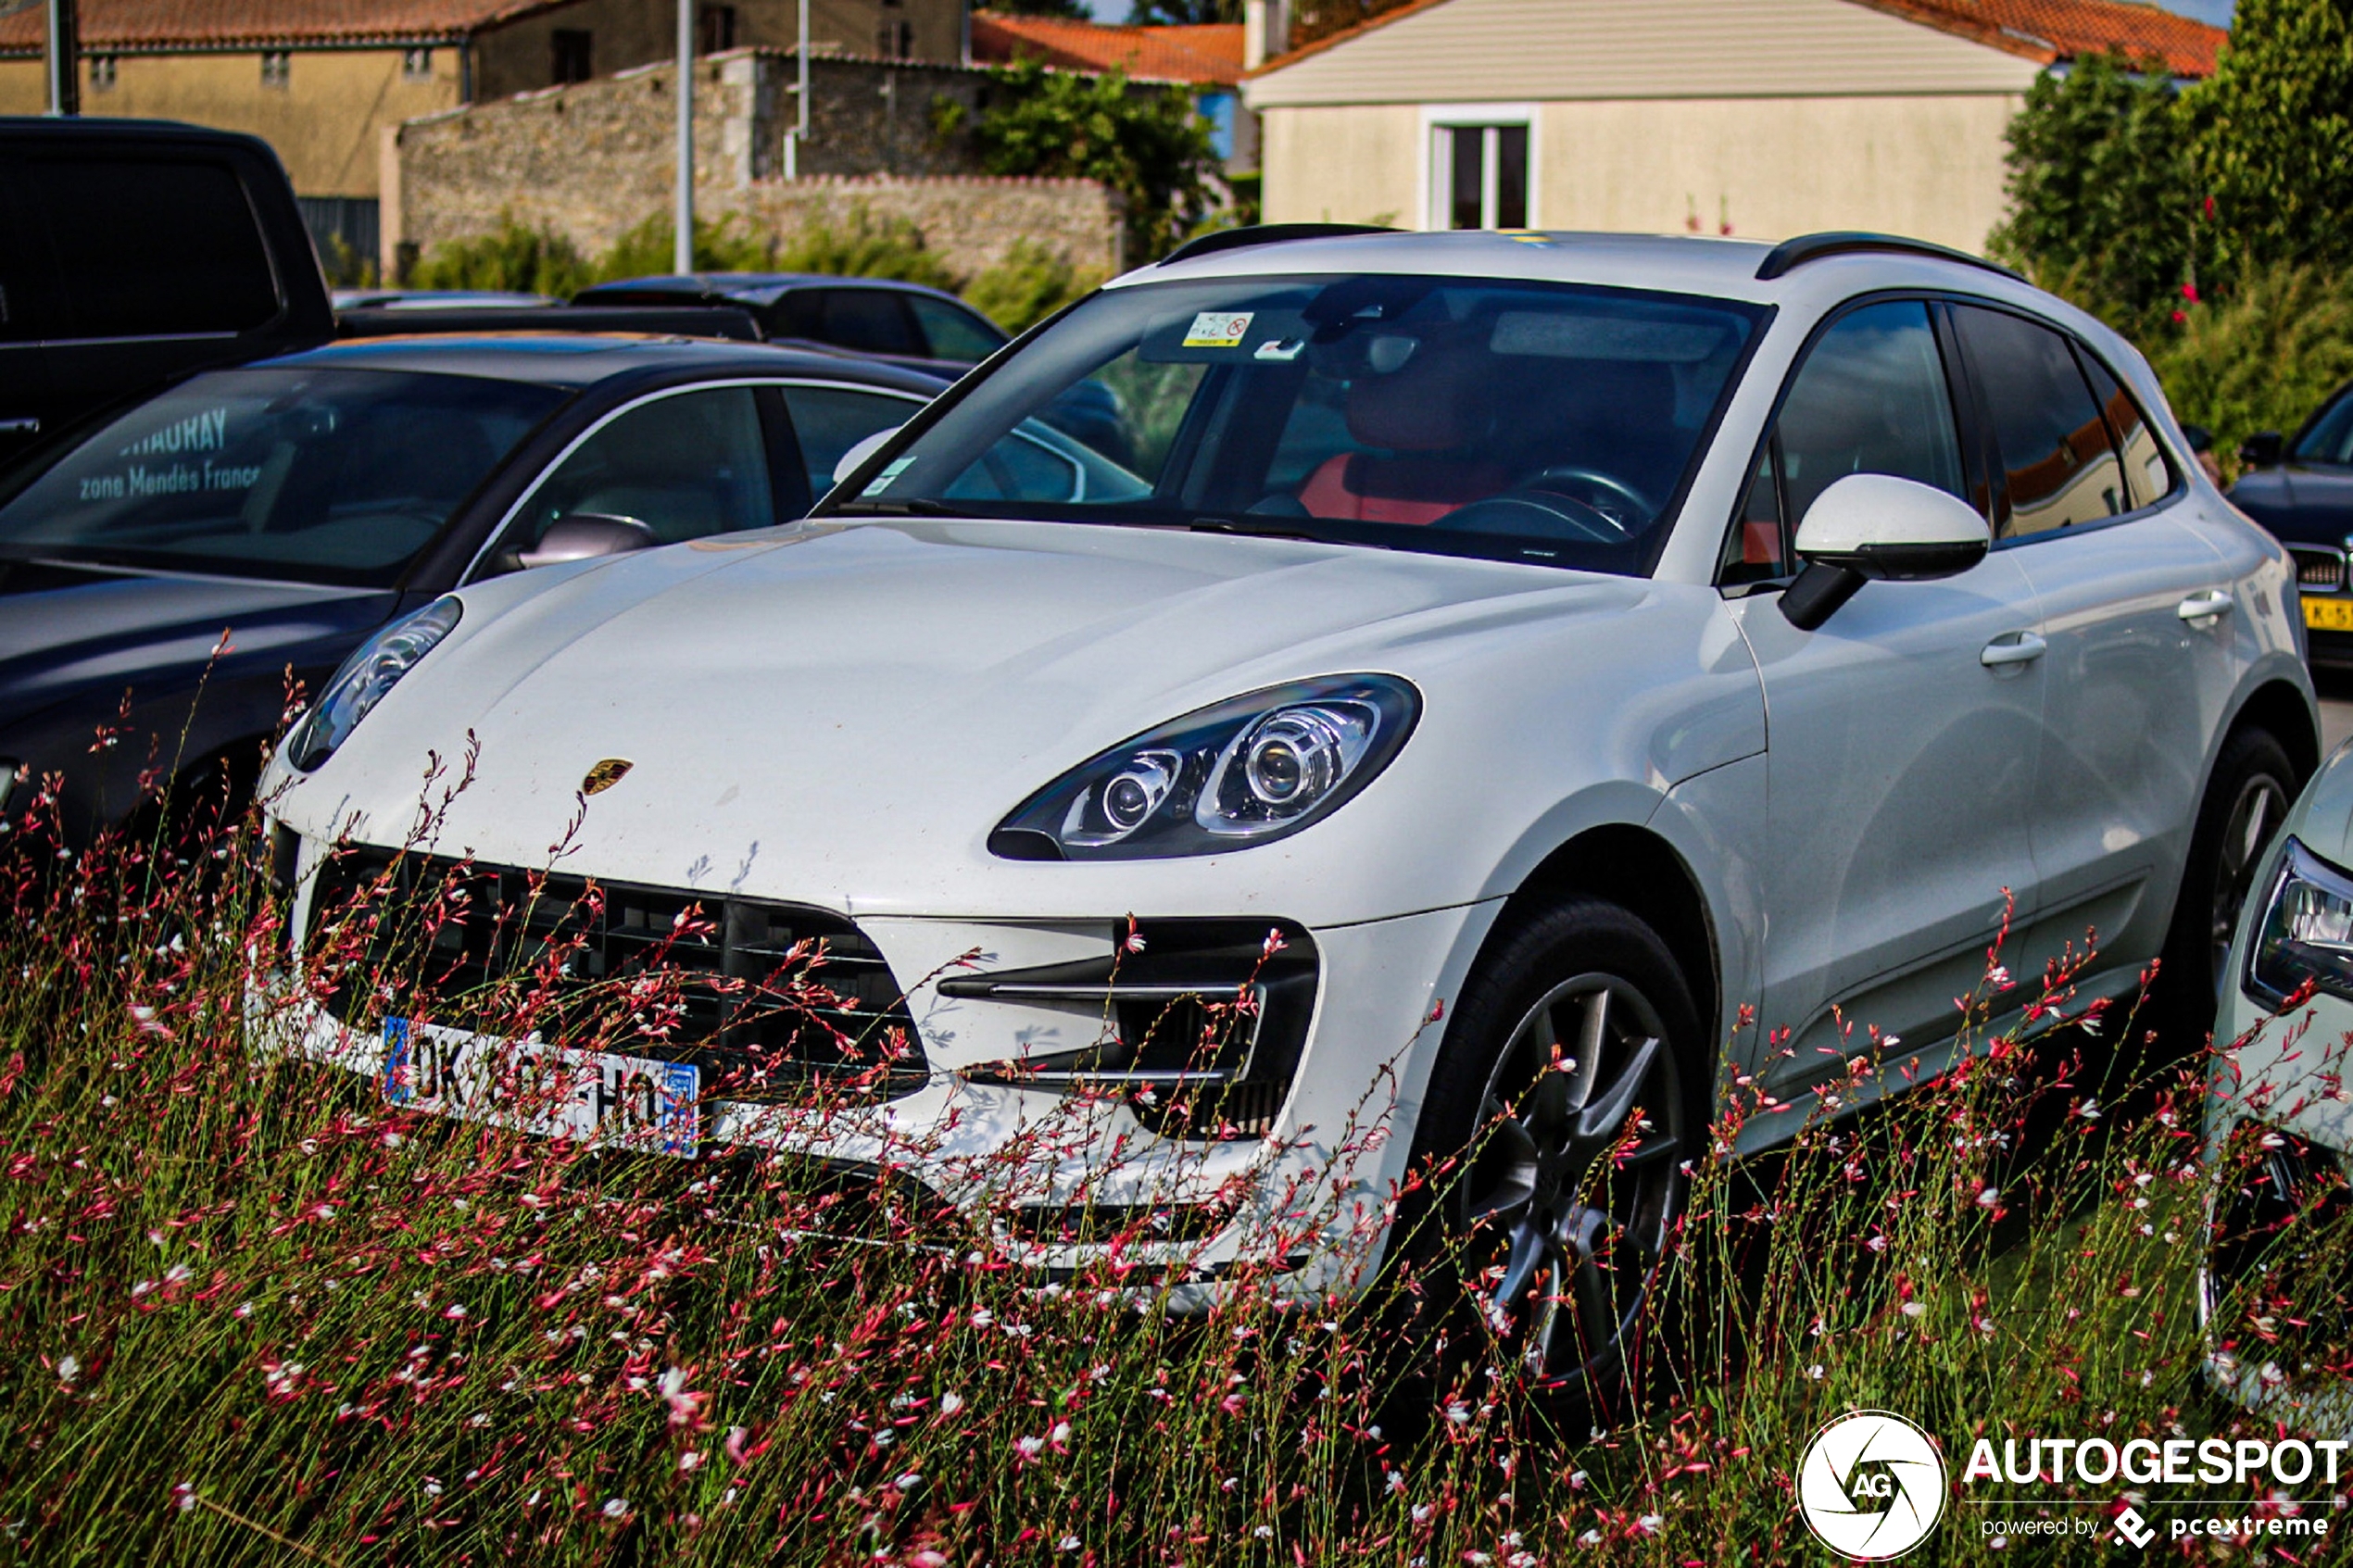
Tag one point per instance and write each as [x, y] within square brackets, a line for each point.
[1430, 414]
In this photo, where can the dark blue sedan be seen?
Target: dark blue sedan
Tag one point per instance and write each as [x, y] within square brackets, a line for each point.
[165, 576]
[2301, 488]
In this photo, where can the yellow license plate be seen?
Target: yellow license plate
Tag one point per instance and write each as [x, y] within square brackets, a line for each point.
[2329, 615]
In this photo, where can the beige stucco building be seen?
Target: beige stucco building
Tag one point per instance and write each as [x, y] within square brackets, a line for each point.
[1766, 118]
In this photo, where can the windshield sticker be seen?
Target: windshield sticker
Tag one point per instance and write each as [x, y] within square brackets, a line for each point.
[882, 481]
[204, 431]
[1218, 329]
[1282, 353]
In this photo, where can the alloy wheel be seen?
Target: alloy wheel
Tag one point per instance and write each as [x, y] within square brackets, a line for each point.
[2260, 806]
[1575, 1179]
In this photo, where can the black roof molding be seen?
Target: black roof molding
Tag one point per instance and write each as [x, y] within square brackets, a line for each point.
[1790, 255]
[1266, 234]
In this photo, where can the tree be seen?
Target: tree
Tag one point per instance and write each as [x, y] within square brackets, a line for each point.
[2104, 193]
[1148, 143]
[1182, 13]
[2273, 133]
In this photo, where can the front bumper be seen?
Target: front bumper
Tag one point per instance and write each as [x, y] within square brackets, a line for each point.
[1037, 1166]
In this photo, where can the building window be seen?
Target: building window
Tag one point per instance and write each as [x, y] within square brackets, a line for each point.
[1478, 176]
[718, 28]
[895, 38]
[101, 72]
[416, 64]
[277, 67]
[569, 55]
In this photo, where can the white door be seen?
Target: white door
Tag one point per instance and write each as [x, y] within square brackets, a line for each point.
[1902, 735]
[2136, 677]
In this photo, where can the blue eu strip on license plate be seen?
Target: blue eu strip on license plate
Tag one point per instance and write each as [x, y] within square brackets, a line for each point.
[593, 1097]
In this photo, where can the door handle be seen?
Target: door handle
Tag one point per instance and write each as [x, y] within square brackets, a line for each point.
[2205, 607]
[2013, 647]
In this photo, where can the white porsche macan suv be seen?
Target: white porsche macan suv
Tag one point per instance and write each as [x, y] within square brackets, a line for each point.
[1485, 691]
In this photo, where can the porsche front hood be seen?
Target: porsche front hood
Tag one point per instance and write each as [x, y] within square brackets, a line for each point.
[802, 709]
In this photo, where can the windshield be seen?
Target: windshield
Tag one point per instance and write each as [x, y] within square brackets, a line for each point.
[2331, 438]
[319, 475]
[1519, 420]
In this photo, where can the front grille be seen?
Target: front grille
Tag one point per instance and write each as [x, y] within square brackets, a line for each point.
[2319, 567]
[766, 999]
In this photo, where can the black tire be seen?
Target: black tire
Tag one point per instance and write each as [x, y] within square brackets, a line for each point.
[1536, 1181]
[2246, 798]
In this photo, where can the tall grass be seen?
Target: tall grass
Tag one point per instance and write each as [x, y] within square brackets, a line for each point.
[253, 1313]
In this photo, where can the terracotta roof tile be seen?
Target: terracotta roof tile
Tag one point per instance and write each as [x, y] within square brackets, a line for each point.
[254, 24]
[1205, 55]
[2048, 30]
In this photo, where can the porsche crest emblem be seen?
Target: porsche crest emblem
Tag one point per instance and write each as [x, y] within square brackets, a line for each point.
[605, 774]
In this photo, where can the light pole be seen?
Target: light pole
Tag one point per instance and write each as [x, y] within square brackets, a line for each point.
[65, 59]
[682, 253]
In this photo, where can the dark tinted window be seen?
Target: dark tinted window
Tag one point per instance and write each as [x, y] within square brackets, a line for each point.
[2331, 438]
[151, 247]
[2148, 477]
[1870, 398]
[2050, 440]
[331, 475]
[685, 465]
[829, 420]
[953, 333]
[871, 320]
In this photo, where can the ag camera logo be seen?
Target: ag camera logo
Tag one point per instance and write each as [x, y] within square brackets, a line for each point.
[1871, 1486]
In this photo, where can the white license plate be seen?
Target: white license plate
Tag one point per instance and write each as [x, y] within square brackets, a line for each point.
[591, 1097]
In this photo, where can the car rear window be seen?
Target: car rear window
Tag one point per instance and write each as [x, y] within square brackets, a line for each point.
[320, 475]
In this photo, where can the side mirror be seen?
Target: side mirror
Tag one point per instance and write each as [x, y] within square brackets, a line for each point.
[860, 452]
[583, 536]
[1875, 525]
[2263, 449]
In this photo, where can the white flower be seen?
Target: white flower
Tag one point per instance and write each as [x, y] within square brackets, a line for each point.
[67, 1368]
[1029, 1448]
[616, 1507]
[951, 1402]
[184, 1497]
[1815, 1372]
[1989, 1197]
[1914, 1309]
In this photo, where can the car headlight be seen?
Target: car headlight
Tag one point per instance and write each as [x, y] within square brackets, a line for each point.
[1248, 771]
[2306, 937]
[373, 669]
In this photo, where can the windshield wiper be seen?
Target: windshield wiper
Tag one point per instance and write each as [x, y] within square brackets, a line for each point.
[1257, 528]
[906, 506]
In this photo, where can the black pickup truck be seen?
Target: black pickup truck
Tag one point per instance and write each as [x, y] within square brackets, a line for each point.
[134, 251]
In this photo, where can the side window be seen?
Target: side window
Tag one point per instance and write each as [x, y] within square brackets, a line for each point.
[829, 420]
[2050, 440]
[1871, 397]
[151, 247]
[871, 320]
[2148, 477]
[952, 333]
[690, 464]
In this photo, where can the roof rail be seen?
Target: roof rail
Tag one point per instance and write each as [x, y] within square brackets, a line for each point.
[1266, 234]
[1790, 255]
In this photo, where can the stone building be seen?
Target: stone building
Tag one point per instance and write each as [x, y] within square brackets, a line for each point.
[323, 81]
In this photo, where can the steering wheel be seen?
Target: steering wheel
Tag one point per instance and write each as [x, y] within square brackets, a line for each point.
[1609, 484]
[1537, 514]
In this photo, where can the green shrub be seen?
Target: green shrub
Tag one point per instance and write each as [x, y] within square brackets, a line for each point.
[2263, 359]
[865, 247]
[510, 256]
[2273, 133]
[1030, 284]
[730, 245]
[1150, 144]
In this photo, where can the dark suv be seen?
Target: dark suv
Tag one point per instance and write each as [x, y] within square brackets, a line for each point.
[906, 323]
[135, 251]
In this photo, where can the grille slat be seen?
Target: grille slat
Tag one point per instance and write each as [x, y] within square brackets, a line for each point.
[460, 929]
[2319, 567]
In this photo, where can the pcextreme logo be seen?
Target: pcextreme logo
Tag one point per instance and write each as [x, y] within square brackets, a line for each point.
[1871, 1486]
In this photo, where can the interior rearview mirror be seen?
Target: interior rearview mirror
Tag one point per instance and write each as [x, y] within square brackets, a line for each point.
[1875, 525]
[585, 535]
[859, 453]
